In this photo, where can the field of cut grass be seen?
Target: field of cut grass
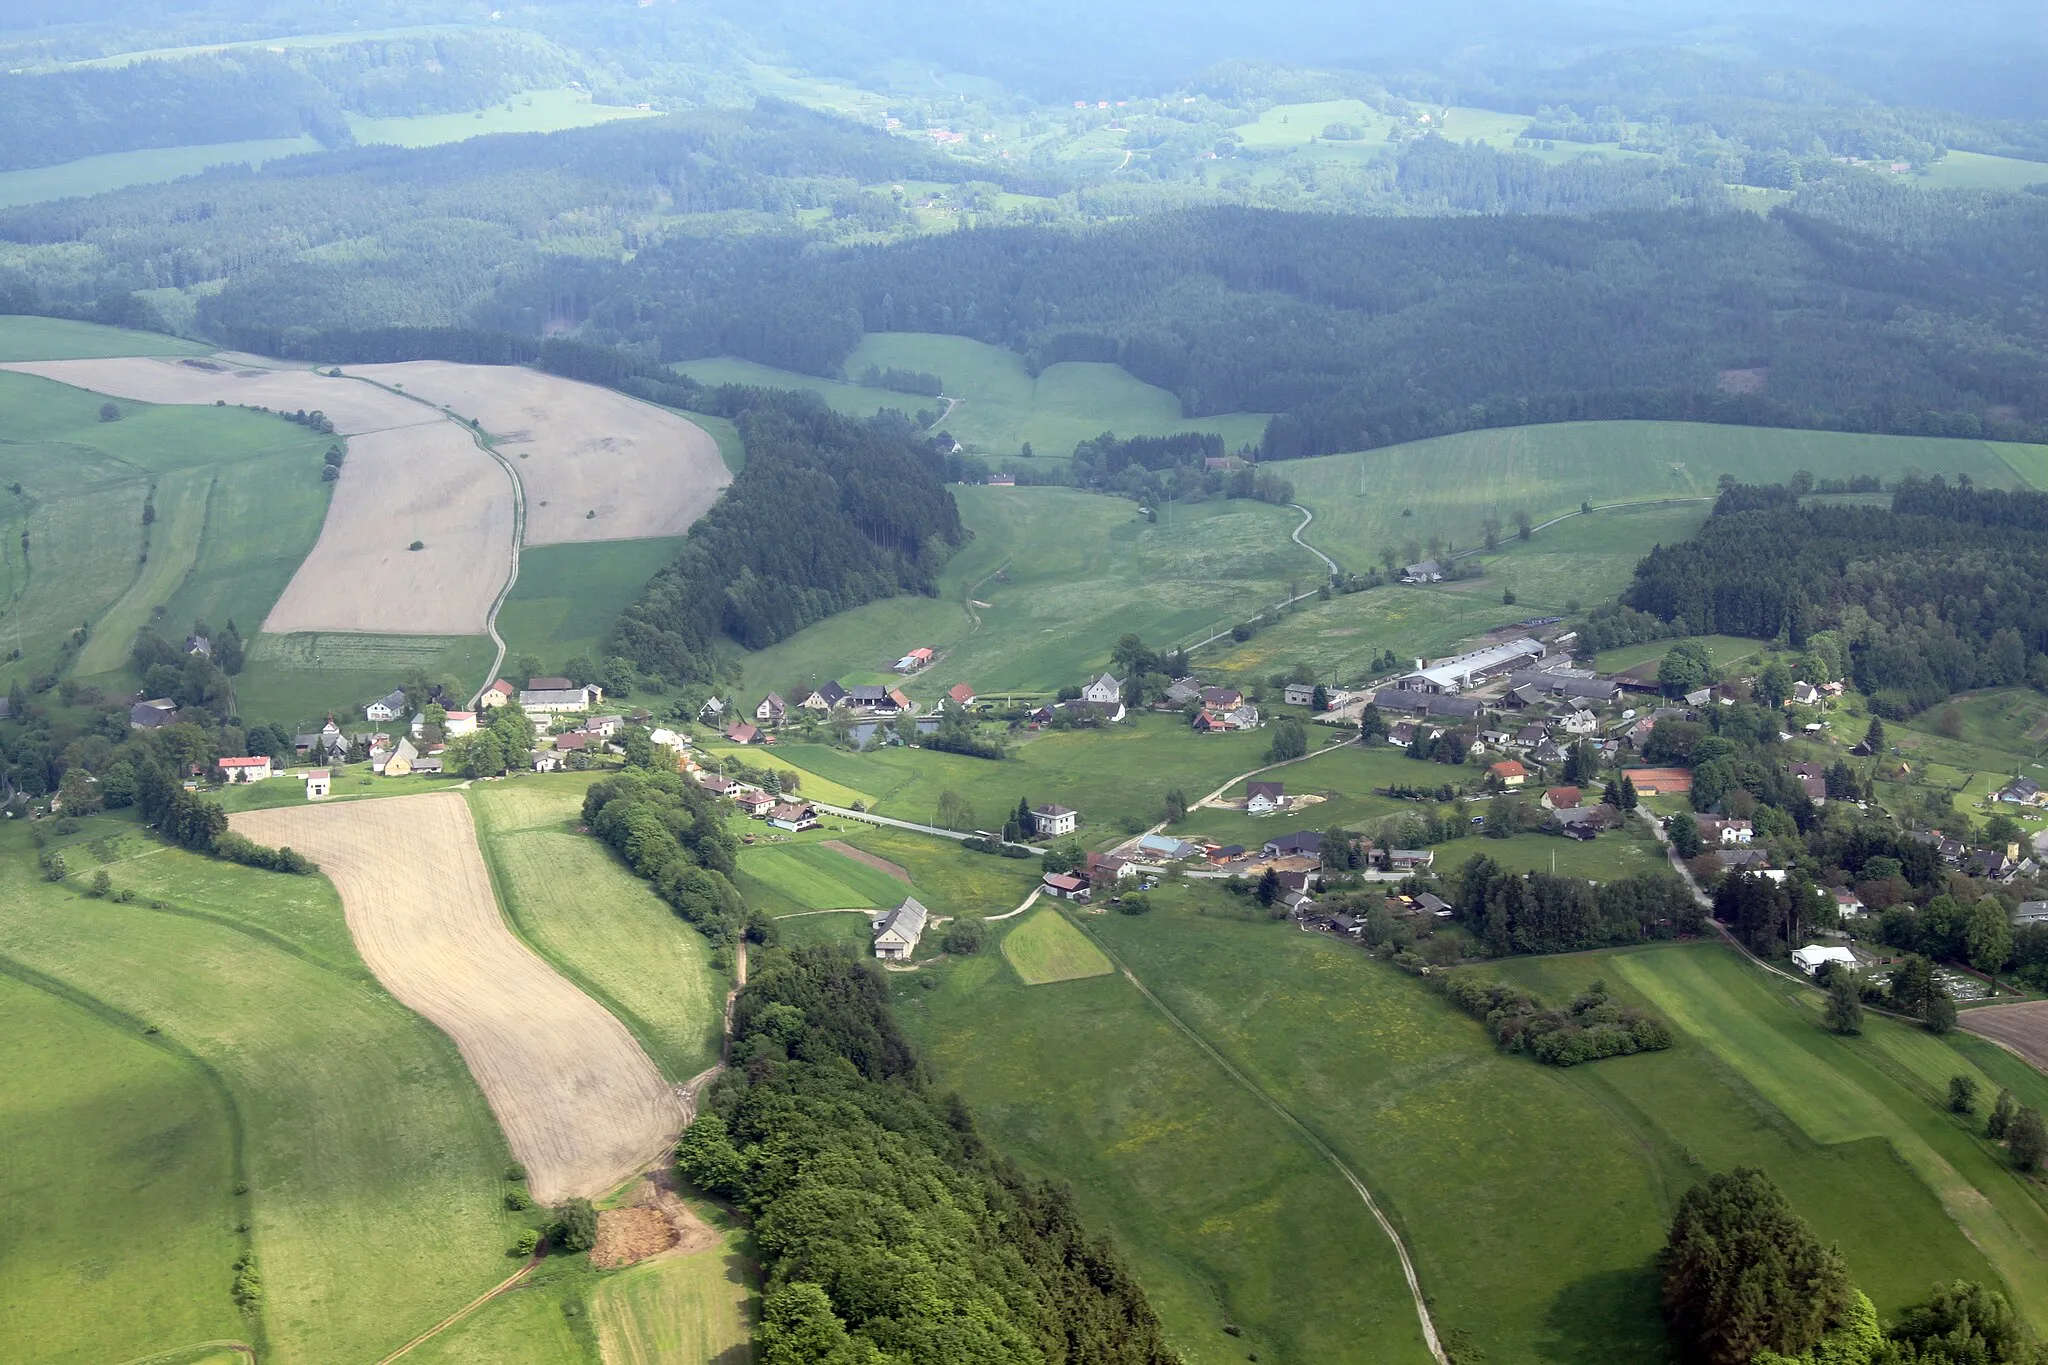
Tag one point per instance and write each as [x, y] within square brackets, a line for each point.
[538, 111]
[1889, 1083]
[371, 1159]
[1979, 171]
[1062, 575]
[1003, 407]
[1448, 486]
[1225, 1215]
[300, 678]
[810, 876]
[149, 166]
[71, 539]
[33, 338]
[950, 879]
[569, 895]
[1722, 649]
[568, 596]
[121, 1158]
[684, 1310]
[1111, 776]
[1045, 948]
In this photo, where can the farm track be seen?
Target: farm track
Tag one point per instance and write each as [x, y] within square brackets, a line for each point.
[1301, 1129]
[581, 1104]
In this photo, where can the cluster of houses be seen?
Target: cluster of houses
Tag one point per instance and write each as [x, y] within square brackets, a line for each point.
[1216, 710]
[591, 735]
[772, 712]
[780, 811]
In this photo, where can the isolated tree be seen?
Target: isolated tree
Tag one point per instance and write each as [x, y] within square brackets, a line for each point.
[1629, 799]
[1523, 525]
[955, 811]
[1940, 1013]
[1987, 934]
[2027, 1139]
[1489, 529]
[1962, 1094]
[1844, 1012]
[1289, 740]
[1319, 700]
[964, 935]
[1873, 738]
[109, 413]
[1268, 889]
[1744, 1274]
[1176, 805]
[1372, 723]
[1685, 834]
[2000, 1119]
[575, 1226]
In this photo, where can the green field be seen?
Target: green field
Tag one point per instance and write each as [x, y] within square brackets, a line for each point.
[33, 338]
[1110, 776]
[539, 111]
[809, 876]
[371, 1159]
[1979, 171]
[602, 926]
[120, 1157]
[1077, 570]
[1045, 948]
[1722, 649]
[296, 679]
[239, 502]
[683, 1310]
[1533, 1198]
[1449, 485]
[149, 166]
[1002, 405]
[568, 596]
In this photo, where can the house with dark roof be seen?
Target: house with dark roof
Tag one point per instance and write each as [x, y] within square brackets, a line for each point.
[1263, 798]
[1428, 571]
[740, 732]
[1054, 821]
[772, 709]
[1107, 688]
[826, 697]
[1065, 886]
[152, 715]
[1303, 844]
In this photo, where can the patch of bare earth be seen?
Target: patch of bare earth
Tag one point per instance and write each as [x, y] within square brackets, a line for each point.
[2023, 1028]
[861, 855]
[656, 1223]
[581, 1105]
[596, 464]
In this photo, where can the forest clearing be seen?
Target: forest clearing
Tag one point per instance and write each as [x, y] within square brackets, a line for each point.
[581, 1104]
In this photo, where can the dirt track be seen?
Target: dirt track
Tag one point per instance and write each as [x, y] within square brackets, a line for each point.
[2023, 1028]
[578, 448]
[581, 1104]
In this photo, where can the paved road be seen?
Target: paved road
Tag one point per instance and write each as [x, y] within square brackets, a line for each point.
[1307, 517]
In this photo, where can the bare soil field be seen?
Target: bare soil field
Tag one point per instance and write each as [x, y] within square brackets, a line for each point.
[580, 1103]
[861, 855]
[427, 483]
[579, 449]
[352, 407]
[2023, 1028]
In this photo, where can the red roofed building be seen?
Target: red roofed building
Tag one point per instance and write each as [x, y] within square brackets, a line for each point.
[960, 694]
[497, 694]
[245, 769]
[742, 733]
[1561, 798]
[1510, 772]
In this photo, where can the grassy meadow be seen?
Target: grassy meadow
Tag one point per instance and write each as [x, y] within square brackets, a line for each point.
[1045, 948]
[1002, 405]
[298, 679]
[121, 1157]
[696, 1309]
[537, 111]
[238, 503]
[568, 596]
[146, 166]
[603, 927]
[1050, 580]
[370, 1157]
[32, 338]
[788, 877]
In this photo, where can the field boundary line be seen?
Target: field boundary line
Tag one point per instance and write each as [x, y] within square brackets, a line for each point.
[1321, 1148]
[459, 1314]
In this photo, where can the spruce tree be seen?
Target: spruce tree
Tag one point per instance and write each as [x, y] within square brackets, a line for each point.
[1845, 1004]
[1743, 1274]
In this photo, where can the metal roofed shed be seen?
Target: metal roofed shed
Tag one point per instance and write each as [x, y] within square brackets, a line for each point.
[1469, 670]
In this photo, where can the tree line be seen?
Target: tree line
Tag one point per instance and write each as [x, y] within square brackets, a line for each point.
[888, 1228]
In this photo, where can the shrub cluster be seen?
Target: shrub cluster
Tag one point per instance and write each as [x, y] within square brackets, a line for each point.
[1591, 1027]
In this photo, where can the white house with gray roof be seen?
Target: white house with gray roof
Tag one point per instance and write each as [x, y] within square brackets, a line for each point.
[897, 933]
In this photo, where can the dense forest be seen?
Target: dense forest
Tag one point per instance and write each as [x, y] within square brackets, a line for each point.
[887, 1228]
[827, 514]
[1946, 589]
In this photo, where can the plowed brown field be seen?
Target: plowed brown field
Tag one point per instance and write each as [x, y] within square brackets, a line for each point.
[2023, 1028]
[581, 1105]
[579, 449]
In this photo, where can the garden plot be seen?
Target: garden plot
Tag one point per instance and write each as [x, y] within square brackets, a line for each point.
[596, 465]
[581, 1104]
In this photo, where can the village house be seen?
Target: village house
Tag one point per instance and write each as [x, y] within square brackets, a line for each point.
[1305, 844]
[2022, 791]
[1221, 699]
[199, 645]
[1263, 798]
[1053, 822]
[1805, 694]
[793, 816]
[317, 782]
[1220, 854]
[1561, 798]
[1728, 833]
[2030, 912]
[740, 732]
[572, 742]
[897, 933]
[1104, 867]
[771, 710]
[1510, 772]
[399, 761]
[754, 803]
[1848, 904]
[914, 660]
[825, 698]
[1428, 571]
[1065, 886]
[1166, 849]
[960, 694]
[717, 783]
[1584, 822]
[1183, 691]
[1578, 722]
[559, 701]
[459, 723]
[152, 715]
[875, 700]
[1409, 859]
[255, 769]
[1810, 958]
[496, 695]
[387, 707]
[603, 726]
[1300, 694]
[1547, 752]
[1104, 689]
